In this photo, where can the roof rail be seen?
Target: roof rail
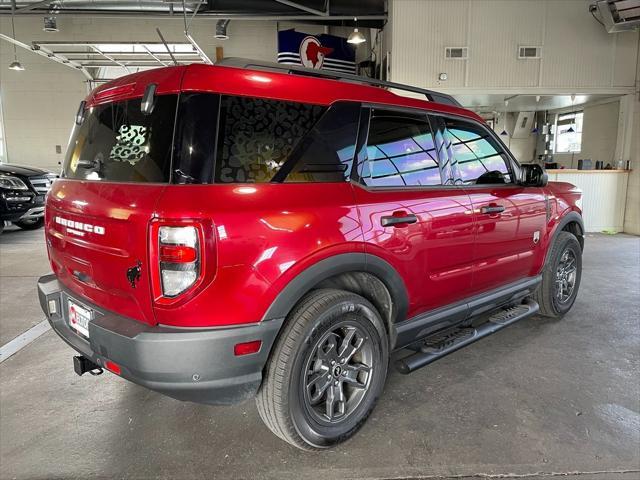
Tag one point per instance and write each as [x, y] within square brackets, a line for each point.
[312, 72]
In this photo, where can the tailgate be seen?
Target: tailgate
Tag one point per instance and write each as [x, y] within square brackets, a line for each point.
[96, 232]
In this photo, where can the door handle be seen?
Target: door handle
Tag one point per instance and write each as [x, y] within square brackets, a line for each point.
[398, 220]
[491, 209]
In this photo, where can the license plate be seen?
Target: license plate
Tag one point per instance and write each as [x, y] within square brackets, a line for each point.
[40, 198]
[79, 318]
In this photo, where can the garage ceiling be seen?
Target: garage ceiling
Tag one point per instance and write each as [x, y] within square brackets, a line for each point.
[370, 13]
[526, 103]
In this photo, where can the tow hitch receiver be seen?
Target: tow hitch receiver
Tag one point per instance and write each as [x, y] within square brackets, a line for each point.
[82, 365]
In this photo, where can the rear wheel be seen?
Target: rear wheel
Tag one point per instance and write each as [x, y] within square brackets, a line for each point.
[326, 370]
[561, 277]
[31, 224]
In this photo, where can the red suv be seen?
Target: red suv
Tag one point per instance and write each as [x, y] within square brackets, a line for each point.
[224, 232]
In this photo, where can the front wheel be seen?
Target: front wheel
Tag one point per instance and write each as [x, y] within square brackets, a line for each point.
[31, 224]
[560, 277]
[326, 370]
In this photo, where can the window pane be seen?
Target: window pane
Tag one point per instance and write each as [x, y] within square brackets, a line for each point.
[400, 151]
[470, 154]
[195, 138]
[257, 135]
[117, 142]
[569, 133]
[326, 153]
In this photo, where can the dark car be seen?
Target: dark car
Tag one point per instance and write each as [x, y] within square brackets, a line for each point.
[22, 192]
[220, 233]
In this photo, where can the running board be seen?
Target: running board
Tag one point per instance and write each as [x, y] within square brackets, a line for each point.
[443, 344]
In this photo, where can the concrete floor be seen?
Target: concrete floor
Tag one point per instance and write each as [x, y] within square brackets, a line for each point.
[540, 399]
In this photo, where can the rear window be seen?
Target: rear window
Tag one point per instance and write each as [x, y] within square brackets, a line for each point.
[117, 142]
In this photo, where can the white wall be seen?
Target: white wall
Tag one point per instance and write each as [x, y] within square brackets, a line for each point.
[39, 103]
[603, 197]
[577, 52]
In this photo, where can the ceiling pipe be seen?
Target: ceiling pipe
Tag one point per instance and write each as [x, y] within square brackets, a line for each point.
[164, 14]
[221, 29]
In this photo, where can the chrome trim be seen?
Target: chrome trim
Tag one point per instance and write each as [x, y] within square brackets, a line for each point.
[33, 213]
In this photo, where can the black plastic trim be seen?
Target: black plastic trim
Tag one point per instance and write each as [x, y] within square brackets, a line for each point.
[563, 222]
[332, 266]
[197, 365]
[423, 325]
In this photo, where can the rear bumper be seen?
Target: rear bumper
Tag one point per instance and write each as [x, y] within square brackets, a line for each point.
[196, 365]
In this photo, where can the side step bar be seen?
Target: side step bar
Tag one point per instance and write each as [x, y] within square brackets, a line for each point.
[442, 345]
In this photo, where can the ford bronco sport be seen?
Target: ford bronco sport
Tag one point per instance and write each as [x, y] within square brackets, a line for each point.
[223, 232]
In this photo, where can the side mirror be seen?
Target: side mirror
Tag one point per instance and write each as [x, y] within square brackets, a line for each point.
[533, 175]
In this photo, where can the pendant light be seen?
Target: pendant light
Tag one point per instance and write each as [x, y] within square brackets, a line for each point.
[15, 65]
[504, 121]
[356, 37]
[535, 126]
[571, 129]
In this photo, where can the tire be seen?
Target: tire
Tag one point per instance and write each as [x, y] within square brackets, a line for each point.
[555, 277]
[295, 400]
[30, 224]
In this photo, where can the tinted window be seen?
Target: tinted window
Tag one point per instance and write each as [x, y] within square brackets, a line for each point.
[118, 142]
[400, 152]
[469, 154]
[326, 153]
[256, 136]
[195, 138]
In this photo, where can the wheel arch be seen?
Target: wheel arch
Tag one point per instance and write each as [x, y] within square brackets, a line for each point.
[364, 274]
[570, 222]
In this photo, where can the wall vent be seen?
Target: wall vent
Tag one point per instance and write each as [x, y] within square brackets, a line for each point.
[529, 52]
[456, 53]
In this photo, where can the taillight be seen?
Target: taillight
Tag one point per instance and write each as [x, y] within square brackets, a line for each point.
[179, 258]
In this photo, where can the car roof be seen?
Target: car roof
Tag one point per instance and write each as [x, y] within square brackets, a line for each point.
[262, 84]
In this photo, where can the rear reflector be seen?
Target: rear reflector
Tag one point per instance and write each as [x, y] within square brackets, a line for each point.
[112, 367]
[247, 348]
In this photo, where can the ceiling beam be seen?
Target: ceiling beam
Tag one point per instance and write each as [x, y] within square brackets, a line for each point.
[304, 8]
[33, 6]
[231, 16]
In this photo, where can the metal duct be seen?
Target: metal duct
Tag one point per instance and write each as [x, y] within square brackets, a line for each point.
[221, 29]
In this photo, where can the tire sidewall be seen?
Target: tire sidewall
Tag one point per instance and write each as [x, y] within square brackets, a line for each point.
[568, 242]
[315, 434]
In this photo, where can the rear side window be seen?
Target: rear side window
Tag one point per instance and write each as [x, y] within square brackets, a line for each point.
[400, 151]
[256, 136]
[469, 153]
[117, 142]
[326, 153]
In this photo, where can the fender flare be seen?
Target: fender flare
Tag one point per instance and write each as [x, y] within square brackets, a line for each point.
[563, 222]
[332, 266]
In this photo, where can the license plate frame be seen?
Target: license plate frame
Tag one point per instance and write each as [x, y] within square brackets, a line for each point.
[79, 317]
